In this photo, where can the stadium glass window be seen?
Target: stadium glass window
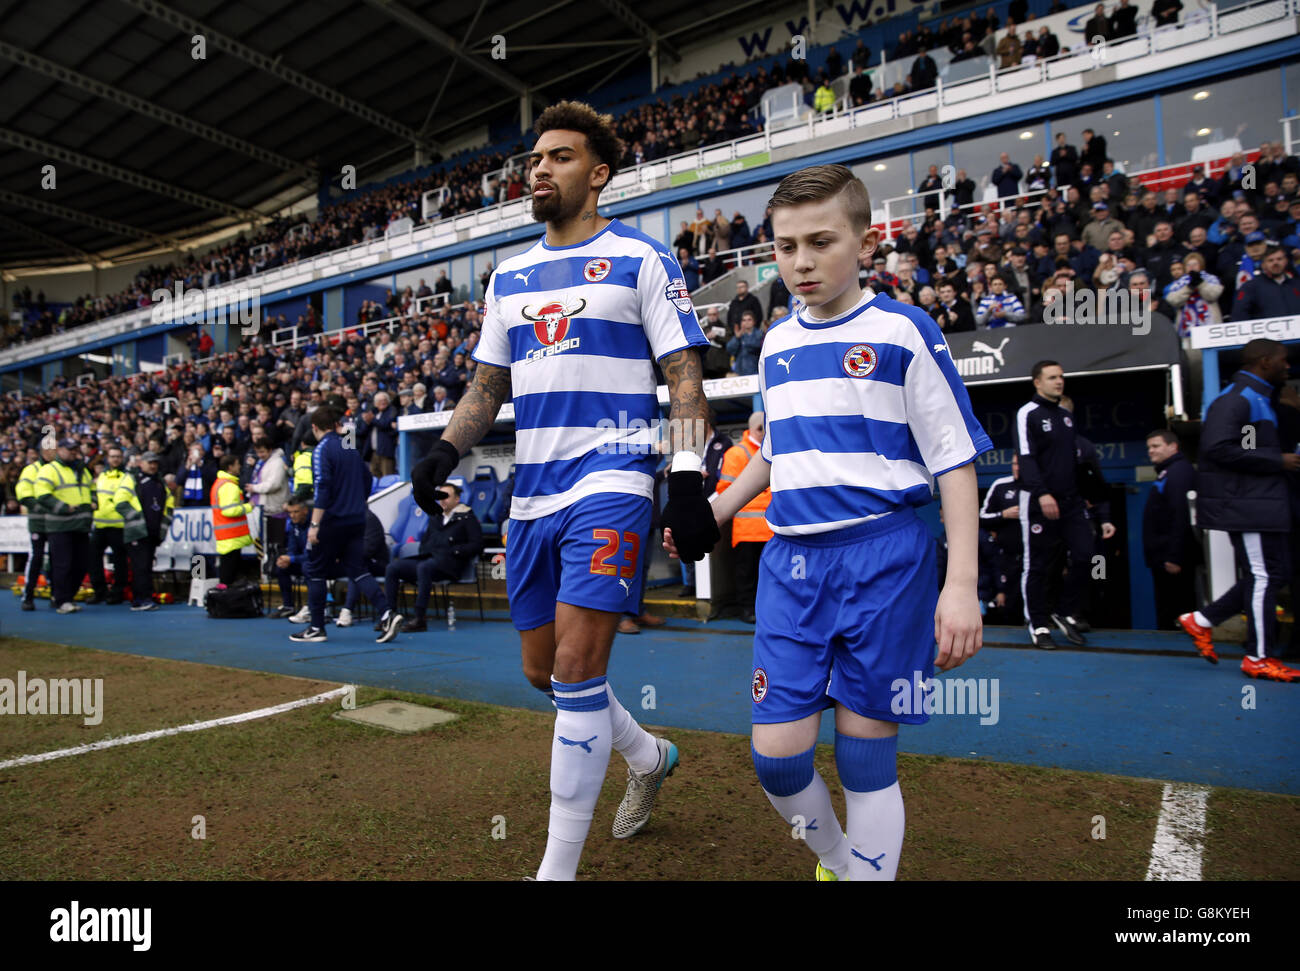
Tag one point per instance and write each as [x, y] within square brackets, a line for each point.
[922, 159]
[979, 156]
[1292, 73]
[1246, 108]
[886, 178]
[1129, 130]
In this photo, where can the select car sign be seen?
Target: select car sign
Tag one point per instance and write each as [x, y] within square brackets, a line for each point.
[1234, 333]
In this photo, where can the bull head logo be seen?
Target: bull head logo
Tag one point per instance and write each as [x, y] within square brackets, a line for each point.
[551, 321]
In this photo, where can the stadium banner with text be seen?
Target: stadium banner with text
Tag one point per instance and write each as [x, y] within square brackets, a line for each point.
[191, 532]
[1009, 353]
[1234, 333]
[14, 537]
[720, 169]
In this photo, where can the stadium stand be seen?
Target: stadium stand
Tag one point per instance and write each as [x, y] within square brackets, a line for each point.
[1083, 221]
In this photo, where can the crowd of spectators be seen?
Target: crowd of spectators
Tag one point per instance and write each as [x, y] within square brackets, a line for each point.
[1190, 252]
[191, 414]
[709, 115]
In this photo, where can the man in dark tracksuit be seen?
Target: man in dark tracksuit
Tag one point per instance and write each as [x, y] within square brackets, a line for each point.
[1053, 515]
[1000, 521]
[336, 539]
[146, 506]
[1169, 545]
[374, 556]
[449, 542]
[292, 560]
[1096, 497]
[1243, 491]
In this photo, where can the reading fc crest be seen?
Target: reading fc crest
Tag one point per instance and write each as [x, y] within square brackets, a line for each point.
[758, 687]
[596, 270]
[860, 360]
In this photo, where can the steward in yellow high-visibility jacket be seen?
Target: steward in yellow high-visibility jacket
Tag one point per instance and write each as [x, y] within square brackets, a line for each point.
[63, 491]
[302, 464]
[824, 98]
[25, 493]
[230, 517]
[108, 531]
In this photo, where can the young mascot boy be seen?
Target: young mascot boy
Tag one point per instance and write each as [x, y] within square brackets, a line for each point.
[865, 410]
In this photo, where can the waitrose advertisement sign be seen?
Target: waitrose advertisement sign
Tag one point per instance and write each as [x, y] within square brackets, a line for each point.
[721, 169]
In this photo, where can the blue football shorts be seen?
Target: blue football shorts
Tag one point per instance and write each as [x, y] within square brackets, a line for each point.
[841, 617]
[588, 555]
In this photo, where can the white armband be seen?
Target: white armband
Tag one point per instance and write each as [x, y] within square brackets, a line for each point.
[685, 461]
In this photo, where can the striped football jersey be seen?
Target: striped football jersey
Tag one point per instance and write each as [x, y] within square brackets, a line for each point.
[579, 327]
[863, 412]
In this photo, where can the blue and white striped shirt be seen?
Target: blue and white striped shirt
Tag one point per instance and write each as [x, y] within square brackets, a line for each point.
[863, 412]
[579, 327]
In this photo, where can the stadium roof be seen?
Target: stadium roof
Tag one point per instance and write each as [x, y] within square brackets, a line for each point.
[152, 145]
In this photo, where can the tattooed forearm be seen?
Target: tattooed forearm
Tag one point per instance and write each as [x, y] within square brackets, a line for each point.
[688, 411]
[475, 413]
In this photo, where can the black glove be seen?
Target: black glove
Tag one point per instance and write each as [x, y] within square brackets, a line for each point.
[431, 472]
[690, 517]
[1194, 278]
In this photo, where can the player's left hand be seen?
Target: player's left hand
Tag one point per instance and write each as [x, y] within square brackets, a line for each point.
[958, 627]
[1107, 530]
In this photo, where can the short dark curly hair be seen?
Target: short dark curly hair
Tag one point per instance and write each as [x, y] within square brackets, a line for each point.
[597, 128]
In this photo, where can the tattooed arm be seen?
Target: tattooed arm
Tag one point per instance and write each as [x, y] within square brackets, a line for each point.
[688, 521]
[477, 410]
[687, 410]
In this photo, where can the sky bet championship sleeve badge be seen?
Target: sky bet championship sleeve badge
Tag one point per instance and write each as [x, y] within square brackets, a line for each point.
[678, 295]
[860, 360]
[596, 270]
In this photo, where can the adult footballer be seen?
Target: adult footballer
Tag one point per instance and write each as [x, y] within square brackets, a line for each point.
[572, 327]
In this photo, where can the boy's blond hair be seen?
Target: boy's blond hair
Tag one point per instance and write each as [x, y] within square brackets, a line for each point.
[819, 182]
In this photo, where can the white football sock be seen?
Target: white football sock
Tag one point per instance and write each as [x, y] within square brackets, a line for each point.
[579, 757]
[1201, 619]
[629, 739]
[822, 831]
[876, 824]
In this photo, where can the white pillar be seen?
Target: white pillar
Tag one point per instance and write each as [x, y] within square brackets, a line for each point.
[525, 111]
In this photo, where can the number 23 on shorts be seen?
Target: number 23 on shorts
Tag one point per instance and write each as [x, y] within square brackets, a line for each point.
[609, 538]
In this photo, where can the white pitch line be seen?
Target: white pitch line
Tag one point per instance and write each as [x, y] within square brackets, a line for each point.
[179, 730]
[1180, 833]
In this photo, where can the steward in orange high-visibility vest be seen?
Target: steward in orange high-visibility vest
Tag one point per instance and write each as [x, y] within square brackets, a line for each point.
[750, 524]
[229, 517]
[229, 514]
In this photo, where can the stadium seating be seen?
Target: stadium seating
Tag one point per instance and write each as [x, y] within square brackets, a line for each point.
[483, 489]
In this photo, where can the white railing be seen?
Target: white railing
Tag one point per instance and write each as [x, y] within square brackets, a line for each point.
[802, 139]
